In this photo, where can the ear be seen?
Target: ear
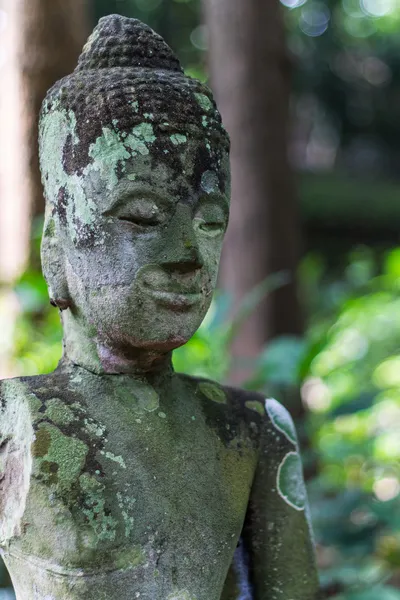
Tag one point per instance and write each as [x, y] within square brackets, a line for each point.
[53, 265]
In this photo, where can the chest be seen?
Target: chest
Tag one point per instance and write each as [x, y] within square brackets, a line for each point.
[126, 486]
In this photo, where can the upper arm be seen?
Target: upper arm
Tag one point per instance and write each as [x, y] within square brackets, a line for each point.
[16, 436]
[277, 530]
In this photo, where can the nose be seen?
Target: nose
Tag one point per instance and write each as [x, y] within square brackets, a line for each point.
[181, 252]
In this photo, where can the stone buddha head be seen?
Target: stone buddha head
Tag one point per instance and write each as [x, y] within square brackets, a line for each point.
[135, 166]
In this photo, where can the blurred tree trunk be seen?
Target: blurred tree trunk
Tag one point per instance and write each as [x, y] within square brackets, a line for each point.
[39, 43]
[250, 73]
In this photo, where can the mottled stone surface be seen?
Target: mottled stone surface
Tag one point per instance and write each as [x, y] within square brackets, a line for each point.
[118, 477]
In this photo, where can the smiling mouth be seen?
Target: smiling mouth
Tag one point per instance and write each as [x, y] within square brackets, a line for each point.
[176, 300]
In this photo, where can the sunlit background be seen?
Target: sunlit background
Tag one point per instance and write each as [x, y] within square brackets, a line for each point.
[341, 376]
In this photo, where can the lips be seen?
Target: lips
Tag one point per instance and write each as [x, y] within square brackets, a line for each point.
[177, 292]
[176, 300]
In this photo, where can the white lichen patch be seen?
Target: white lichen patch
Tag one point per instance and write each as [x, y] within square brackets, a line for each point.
[209, 182]
[281, 419]
[94, 428]
[289, 481]
[126, 504]
[16, 437]
[114, 458]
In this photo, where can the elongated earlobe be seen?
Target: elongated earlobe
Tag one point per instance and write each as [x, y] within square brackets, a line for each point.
[53, 264]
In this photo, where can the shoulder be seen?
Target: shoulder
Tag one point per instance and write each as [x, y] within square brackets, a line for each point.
[18, 399]
[14, 399]
[16, 438]
[267, 415]
[228, 399]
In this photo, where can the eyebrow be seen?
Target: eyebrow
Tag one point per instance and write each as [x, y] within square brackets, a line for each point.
[218, 197]
[131, 192]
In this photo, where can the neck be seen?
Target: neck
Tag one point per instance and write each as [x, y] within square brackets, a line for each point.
[97, 356]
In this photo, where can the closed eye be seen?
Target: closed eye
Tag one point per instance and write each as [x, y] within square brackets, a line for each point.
[142, 220]
[142, 212]
[212, 228]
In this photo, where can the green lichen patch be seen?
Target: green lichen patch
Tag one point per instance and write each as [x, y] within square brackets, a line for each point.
[106, 153]
[289, 481]
[94, 508]
[204, 102]
[58, 412]
[281, 419]
[212, 392]
[49, 471]
[178, 138]
[133, 557]
[67, 452]
[149, 400]
[141, 397]
[256, 406]
[34, 404]
[138, 140]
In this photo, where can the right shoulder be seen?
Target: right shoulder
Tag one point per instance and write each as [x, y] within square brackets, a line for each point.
[17, 400]
[16, 437]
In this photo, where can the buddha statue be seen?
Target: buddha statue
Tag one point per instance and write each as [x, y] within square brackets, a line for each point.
[119, 478]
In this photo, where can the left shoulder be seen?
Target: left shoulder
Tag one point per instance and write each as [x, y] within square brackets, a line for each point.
[247, 407]
[235, 401]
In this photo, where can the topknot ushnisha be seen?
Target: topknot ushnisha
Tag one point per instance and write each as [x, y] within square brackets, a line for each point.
[128, 76]
[126, 43]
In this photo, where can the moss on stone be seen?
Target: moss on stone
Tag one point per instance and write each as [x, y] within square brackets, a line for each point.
[204, 102]
[178, 138]
[58, 412]
[256, 406]
[213, 392]
[42, 443]
[67, 452]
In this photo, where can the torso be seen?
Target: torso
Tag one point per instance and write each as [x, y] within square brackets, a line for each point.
[131, 494]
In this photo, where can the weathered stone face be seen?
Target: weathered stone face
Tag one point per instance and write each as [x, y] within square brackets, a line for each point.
[138, 234]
